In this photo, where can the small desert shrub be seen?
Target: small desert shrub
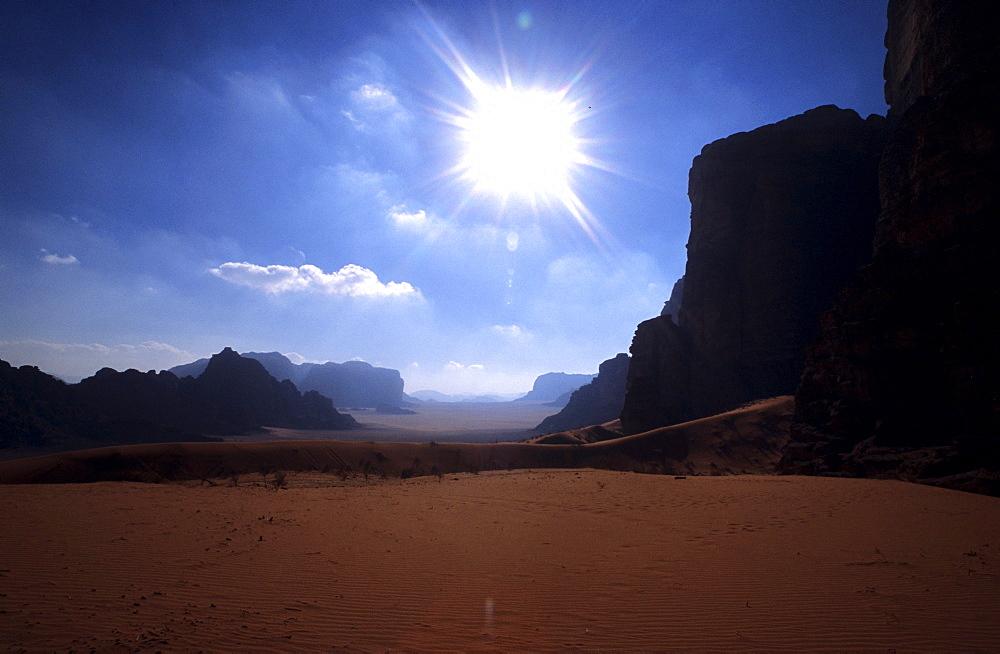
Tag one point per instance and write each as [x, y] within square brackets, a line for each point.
[280, 480]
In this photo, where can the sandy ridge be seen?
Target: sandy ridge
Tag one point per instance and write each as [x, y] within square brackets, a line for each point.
[747, 440]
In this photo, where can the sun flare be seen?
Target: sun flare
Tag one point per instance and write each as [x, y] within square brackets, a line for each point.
[520, 142]
[530, 142]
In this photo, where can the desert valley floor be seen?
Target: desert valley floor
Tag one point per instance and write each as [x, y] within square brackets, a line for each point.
[538, 560]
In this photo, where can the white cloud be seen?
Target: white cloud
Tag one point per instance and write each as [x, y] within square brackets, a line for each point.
[375, 107]
[374, 97]
[73, 361]
[295, 357]
[510, 331]
[351, 280]
[407, 220]
[454, 366]
[56, 260]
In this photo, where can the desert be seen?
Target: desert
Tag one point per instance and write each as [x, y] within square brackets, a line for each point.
[681, 539]
[282, 274]
[526, 560]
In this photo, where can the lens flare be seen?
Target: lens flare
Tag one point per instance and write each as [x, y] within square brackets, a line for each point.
[519, 141]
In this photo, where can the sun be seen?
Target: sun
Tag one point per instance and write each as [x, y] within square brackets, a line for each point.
[528, 141]
[519, 142]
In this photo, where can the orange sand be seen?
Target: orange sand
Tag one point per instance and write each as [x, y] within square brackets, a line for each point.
[525, 560]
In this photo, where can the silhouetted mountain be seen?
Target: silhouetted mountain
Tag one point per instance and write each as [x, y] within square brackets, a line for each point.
[348, 384]
[780, 218]
[553, 386]
[595, 403]
[354, 383]
[905, 378]
[233, 395]
[36, 408]
[237, 394]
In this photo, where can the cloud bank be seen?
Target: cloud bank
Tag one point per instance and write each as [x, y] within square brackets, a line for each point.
[351, 280]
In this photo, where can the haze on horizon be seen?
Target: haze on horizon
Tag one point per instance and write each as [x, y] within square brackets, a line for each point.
[471, 193]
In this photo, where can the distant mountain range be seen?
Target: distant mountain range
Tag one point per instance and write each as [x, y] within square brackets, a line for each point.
[436, 396]
[233, 395]
[552, 388]
[348, 384]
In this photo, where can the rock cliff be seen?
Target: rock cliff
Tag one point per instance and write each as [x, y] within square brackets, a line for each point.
[905, 378]
[553, 386]
[780, 218]
[595, 403]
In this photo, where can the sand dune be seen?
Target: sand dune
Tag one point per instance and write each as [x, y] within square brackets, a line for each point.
[350, 556]
[529, 560]
[747, 440]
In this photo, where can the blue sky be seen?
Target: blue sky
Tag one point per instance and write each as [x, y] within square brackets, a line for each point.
[176, 177]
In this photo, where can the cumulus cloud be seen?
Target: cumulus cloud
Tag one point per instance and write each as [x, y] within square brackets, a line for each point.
[351, 280]
[56, 260]
[408, 220]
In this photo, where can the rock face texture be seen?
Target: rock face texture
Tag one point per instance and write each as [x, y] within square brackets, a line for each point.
[780, 218]
[348, 384]
[595, 403]
[909, 357]
[552, 386]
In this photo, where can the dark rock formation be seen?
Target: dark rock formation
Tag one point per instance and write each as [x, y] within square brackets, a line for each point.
[354, 383]
[672, 307]
[598, 402]
[909, 357]
[237, 394]
[36, 409]
[233, 395]
[780, 217]
[348, 384]
[552, 386]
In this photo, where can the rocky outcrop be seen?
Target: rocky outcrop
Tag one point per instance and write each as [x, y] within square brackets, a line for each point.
[909, 357]
[780, 218]
[672, 307]
[553, 386]
[595, 403]
[348, 384]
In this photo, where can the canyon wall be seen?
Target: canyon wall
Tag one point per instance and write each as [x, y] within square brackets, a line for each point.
[595, 403]
[780, 218]
[904, 379]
